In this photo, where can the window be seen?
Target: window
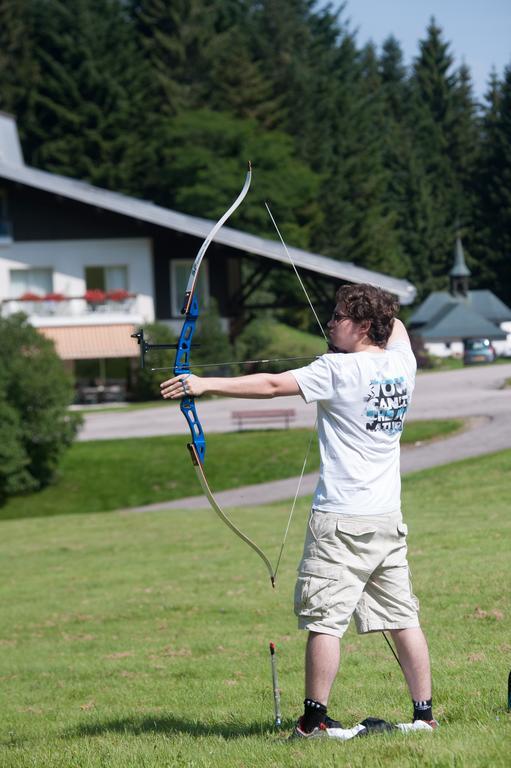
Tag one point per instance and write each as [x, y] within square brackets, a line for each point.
[106, 278]
[38, 281]
[5, 224]
[179, 274]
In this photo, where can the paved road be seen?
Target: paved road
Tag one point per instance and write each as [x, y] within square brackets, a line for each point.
[474, 393]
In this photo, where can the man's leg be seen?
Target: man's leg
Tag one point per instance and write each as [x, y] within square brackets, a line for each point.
[413, 653]
[322, 657]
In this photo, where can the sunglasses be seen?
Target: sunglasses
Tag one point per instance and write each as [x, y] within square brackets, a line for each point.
[338, 316]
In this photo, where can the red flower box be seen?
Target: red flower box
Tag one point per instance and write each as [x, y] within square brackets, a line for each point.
[54, 297]
[95, 296]
[119, 295]
[30, 297]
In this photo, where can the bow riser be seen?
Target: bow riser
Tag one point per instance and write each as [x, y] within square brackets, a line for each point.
[182, 367]
[199, 441]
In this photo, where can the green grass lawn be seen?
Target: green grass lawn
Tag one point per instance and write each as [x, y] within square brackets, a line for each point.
[114, 474]
[141, 639]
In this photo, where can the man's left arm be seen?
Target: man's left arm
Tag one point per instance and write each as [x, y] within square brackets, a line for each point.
[256, 386]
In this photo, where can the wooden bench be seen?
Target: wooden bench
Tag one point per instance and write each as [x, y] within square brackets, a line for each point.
[281, 414]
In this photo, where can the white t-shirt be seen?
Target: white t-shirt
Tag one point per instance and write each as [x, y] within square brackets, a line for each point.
[362, 399]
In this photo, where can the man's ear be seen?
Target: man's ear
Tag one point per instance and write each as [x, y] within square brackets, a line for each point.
[364, 326]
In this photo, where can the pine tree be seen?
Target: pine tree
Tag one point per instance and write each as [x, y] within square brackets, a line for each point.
[394, 80]
[236, 82]
[433, 117]
[87, 104]
[173, 37]
[360, 226]
[464, 143]
[493, 246]
[299, 56]
[19, 72]
[406, 192]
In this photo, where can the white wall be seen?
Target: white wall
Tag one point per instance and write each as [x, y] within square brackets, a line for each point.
[68, 259]
[439, 349]
[504, 347]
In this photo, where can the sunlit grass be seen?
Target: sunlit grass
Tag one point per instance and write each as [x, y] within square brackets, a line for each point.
[113, 474]
[142, 639]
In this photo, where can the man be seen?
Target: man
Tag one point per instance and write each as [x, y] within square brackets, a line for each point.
[355, 555]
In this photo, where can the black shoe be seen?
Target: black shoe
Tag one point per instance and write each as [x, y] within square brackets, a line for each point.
[375, 725]
[329, 723]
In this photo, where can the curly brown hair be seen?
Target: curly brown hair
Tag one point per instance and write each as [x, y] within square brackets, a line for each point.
[366, 302]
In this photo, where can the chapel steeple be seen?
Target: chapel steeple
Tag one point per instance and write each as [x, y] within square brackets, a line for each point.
[460, 273]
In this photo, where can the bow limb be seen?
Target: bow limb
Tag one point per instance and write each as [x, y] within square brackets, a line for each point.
[192, 280]
[199, 470]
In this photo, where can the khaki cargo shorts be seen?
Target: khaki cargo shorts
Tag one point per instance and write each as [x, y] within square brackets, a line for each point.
[355, 565]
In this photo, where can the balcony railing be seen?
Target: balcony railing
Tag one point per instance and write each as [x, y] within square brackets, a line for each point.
[57, 305]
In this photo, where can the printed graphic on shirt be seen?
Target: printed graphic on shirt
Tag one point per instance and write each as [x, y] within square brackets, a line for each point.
[387, 403]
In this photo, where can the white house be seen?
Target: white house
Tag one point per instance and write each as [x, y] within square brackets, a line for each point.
[89, 266]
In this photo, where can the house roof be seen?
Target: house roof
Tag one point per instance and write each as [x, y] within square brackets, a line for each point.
[483, 303]
[490, 306]
[455, 321]
[13, 168]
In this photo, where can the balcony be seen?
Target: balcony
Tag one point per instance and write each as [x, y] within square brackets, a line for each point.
[53, 305]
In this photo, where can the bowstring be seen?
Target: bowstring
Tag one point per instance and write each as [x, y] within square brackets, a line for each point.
[296, 273]
[307, 453]
[296, 496]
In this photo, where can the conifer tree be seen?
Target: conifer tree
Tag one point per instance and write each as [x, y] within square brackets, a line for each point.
[296, 46]
[493, 246]
[19, 72]
[394, 80]
[359, 225]
[464, 142]
[87, 102]
[236, 82]
[173, 37]
[433, 117]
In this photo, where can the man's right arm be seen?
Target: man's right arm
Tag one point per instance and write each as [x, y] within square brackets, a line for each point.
[399, 333]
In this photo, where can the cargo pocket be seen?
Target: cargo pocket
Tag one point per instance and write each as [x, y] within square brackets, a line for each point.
[356, 543]
[356, 535]
[314, 589]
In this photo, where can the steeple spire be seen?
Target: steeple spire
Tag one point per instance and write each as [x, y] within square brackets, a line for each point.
[460, 273]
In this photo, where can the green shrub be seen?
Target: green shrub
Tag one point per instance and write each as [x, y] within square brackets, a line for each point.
[264, 338]
[35, 392]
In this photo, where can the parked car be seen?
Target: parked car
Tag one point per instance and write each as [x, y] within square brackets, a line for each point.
[478, 351]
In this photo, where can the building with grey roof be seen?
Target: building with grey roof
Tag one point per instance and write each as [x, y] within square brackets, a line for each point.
[446, 319]
[64, 242]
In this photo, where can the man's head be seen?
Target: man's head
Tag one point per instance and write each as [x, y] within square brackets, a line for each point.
[363, 316]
